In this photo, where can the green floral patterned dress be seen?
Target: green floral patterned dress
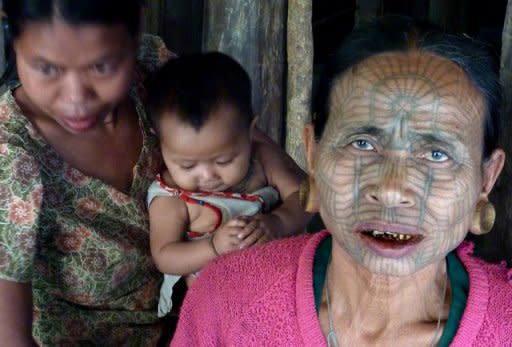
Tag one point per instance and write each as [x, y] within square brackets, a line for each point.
[83, 245]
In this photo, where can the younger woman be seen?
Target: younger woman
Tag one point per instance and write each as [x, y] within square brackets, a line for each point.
[76, 160]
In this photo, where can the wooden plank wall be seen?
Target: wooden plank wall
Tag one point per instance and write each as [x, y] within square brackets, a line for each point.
[179, 23]
[253, 32]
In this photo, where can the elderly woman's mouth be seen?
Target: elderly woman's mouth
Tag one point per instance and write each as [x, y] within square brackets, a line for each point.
[392, 236]
[390, 244]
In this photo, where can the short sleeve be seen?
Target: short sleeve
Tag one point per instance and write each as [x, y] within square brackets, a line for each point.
[21, 194]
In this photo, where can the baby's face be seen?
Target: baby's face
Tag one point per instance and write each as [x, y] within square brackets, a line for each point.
[215, 158]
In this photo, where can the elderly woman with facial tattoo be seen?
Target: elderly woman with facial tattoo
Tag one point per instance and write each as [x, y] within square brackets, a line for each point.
[400, 173]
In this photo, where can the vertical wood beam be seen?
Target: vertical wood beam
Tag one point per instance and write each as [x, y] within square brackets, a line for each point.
[300, 76]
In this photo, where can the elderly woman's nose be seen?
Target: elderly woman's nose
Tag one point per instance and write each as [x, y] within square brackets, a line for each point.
[392, 188]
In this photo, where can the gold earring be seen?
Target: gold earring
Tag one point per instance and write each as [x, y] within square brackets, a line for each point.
[484, 218]
[308, 196]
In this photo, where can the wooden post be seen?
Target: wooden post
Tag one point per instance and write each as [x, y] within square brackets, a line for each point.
[252, 32]
[300, 76]
[497, 244]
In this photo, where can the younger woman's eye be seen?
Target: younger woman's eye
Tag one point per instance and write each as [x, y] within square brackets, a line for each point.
[48, 70]
[437, 156]
[363, 145]
[103, 68]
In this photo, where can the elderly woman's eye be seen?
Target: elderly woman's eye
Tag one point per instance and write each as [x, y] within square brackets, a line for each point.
[363, 145]
[436, 156]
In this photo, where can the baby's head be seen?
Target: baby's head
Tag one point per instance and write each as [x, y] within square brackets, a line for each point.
[200, 108]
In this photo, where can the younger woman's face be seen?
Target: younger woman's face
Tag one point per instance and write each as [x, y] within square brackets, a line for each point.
[399, 168]
[74, 74]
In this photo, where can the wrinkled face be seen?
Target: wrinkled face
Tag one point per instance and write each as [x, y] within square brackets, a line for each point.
[399, 167]
[74, 75]
[215, 158]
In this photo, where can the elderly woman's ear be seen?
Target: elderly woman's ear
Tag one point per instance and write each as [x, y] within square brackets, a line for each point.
[491, 170]
[483, 219]
[308, 195]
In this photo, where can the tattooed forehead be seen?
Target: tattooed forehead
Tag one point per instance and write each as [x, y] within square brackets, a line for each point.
[410, 94]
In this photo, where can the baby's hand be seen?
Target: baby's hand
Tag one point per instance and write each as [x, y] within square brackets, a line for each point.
[226, 238]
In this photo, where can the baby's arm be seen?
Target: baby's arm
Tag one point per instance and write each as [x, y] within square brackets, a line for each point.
[169, 221]
[172, 253]
[289, 218]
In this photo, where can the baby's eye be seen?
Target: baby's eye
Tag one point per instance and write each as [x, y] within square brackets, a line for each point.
[363, 145]
[437, 156]
[187, 167]
[224, 162]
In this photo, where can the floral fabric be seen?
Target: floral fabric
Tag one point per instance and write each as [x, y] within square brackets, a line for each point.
[82, 244]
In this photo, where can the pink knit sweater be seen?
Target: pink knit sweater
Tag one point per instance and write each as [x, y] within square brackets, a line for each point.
[264, 297]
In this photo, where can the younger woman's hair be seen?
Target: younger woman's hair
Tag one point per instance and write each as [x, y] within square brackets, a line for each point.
[75, 12]
[402, 34]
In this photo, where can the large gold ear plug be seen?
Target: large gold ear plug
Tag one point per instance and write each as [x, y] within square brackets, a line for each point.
[484, 218]
[308, 196]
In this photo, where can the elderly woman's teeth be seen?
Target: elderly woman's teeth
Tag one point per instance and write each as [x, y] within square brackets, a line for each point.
[386, 235]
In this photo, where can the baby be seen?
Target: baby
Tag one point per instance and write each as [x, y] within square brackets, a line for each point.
[220, 188]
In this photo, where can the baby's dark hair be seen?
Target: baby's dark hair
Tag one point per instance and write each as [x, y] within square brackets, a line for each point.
[194, 85]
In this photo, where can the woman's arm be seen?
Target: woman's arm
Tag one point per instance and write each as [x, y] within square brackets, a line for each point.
[16, 314]
[276, 152]
[285, 175]
[21, 187]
